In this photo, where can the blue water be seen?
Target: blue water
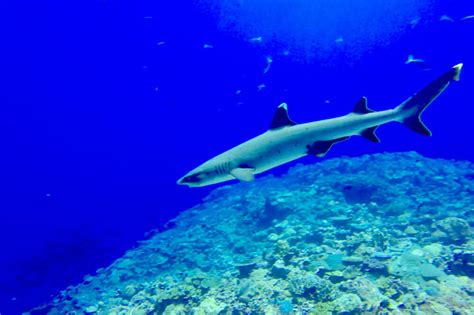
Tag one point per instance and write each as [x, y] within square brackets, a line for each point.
[107, 103]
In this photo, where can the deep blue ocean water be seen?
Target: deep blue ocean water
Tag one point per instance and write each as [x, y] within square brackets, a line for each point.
[105, 104]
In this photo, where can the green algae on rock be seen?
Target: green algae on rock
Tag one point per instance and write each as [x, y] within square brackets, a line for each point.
[388, 233]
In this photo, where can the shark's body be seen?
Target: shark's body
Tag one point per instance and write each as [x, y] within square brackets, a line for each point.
[287, 141]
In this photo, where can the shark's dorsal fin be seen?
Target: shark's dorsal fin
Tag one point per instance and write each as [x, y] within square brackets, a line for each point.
[361, 107]
[320, 148]
[245, 174]
[281, 118]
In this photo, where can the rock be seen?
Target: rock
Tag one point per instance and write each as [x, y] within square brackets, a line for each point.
[91, 309]
[279, 270]
[349, 303]
[433, 250]
[456, 229]
[340, 221]
[375, 267]
[175, 309]
[285, 307]
[352, 260]
[245, 269]
[209, 306]
[429, 271]
[334, 262]
[335, 276]
[432, 307]
[365, 289]
[381, 255]
[304, 283]
[410, 230]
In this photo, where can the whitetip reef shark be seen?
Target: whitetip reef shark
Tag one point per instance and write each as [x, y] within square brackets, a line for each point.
[286, 141]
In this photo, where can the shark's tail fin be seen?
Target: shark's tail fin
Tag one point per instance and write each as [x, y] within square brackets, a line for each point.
[409, 59]
[414, 106]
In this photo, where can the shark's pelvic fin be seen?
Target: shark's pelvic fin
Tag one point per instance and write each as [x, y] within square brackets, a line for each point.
[416, 104]
[244, 174]
[361, 107]
[370, 135]
[320, 148]
[281, 118]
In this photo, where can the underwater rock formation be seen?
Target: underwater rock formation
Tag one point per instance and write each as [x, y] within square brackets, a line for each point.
[389, 233]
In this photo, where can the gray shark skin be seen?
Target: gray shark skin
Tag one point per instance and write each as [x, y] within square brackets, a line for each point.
[286, 141]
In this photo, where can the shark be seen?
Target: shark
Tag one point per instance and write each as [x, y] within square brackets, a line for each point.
[287, 141]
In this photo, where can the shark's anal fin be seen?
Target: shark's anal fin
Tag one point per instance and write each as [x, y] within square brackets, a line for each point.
[370, 135]
[361, 107]
[281, 118]
[320, 148]
[244, 173]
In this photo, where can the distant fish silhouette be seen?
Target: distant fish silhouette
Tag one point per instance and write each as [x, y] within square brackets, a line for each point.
[160, 43]
[269, 63]
[420, 63]
[339, 40]
[446, 18]
[238, 92]
[285, 52]
[256, 39]
[469, 17]
[415, 22]
[261, 86]
[207, 46]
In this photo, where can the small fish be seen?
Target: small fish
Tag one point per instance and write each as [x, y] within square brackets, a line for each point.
[269, 63]
[415, 22]
[285, 52]
[420, 63]
[160, 43]
[207, 46]
[327, 102]
[469, 17]
[238, 92]
[149, 17]
[261, 86]
[339, 40]
[446, 18]
[256, 39]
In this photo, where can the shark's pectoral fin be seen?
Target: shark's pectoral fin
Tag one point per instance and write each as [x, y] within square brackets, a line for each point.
[320, 148]
[370, 135]
[245, 174]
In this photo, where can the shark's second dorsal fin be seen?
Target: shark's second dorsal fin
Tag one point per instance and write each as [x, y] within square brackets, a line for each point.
[361, 107]
[281, 118]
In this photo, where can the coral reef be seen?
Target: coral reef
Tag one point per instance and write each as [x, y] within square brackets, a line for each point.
[386, 233]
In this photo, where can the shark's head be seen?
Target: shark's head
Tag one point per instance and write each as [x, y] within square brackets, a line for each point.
[192, 179]
[204, 175]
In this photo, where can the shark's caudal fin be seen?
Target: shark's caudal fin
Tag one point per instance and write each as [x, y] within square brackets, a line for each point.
[414, 106]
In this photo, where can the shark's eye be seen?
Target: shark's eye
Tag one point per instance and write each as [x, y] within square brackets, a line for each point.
[192, 178]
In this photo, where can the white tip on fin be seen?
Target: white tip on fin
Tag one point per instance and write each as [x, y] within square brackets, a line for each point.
[457, 71]
[243, 174]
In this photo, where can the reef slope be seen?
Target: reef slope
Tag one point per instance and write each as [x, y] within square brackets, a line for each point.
[389, 233]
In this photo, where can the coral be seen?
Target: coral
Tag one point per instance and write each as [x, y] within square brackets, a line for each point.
[385, 233]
